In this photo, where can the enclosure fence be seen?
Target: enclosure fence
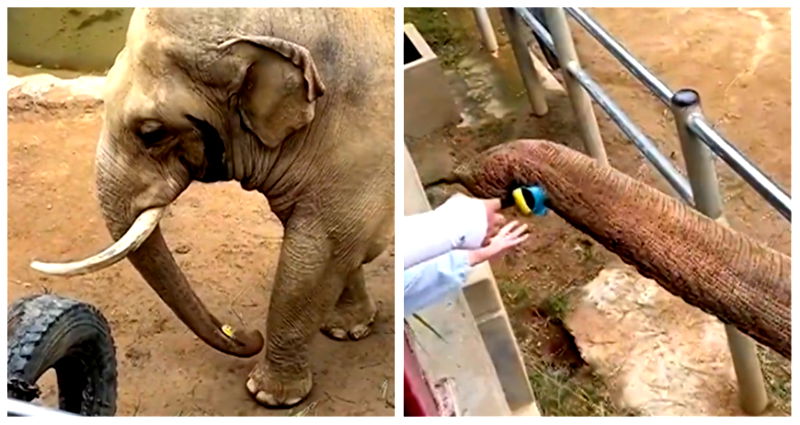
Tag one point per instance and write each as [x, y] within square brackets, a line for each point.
[700, 142]
[24, 408]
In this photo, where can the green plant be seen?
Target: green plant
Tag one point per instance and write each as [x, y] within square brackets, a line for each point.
[557, 305]
[560, 393]
[446, 39]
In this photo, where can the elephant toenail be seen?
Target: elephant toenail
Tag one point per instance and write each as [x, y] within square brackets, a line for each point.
[359, 331]
[266, 398]
[339, 333]
[293, 401]
[251, 386]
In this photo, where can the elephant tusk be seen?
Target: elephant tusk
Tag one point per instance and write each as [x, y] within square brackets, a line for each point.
[139, 231]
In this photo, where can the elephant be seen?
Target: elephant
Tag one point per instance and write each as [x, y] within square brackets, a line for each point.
[725, 273]
[295, 103]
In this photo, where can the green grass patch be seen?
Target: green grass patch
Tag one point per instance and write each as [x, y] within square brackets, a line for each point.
[446, 38]
[556, 305]
[778, 378]
[560, 393]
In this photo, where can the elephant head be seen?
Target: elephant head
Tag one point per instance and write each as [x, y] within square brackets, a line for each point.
[181, 107]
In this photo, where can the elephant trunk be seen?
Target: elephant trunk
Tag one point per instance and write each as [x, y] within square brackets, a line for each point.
[723, 272]
[157, 266]
[138, 235]
[117, 190]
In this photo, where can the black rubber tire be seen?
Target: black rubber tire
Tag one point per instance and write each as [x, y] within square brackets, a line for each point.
[72, 337]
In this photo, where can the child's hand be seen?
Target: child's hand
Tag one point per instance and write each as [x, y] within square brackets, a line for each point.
[509, 236]
[494, 219]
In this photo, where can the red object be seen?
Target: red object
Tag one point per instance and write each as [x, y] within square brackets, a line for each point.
[418, 397]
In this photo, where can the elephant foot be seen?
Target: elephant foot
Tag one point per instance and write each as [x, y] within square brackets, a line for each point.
[271, 391]
[350, 321]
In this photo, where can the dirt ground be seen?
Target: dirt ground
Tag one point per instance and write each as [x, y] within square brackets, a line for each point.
[737, 59]
[225, 239]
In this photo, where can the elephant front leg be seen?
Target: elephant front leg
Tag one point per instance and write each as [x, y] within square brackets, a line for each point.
[354, 313]
[307, 284]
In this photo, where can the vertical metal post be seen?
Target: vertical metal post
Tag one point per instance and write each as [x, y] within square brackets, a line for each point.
[532, 80]
[581, 102]
[685, 105]
[486, 29]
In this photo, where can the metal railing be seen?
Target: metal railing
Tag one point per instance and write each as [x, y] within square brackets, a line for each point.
[22, 408]
[696, 122]
[699, 143]
[646, 146]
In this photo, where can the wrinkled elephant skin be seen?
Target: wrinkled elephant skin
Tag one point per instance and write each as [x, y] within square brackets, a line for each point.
[295, 103]
[725, 273]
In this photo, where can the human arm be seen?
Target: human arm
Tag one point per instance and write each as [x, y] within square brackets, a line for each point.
[460, 223]
[428, 282]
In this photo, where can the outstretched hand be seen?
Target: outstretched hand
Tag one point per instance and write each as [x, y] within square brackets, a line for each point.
[512, 234]
[494, 219]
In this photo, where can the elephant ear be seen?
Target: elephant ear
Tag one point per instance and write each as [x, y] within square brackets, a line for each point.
[279, 88]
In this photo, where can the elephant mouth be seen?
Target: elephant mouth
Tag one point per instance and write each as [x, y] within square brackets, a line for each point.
[145, 223]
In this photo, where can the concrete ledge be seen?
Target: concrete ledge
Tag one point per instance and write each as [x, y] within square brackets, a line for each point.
[486, 305]
[427, 101]
[460, 356]
[45, 91]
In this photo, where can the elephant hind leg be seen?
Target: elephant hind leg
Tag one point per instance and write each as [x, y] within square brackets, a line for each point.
[354, 313]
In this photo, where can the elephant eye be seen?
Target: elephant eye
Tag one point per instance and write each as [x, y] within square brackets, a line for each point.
[151, 132]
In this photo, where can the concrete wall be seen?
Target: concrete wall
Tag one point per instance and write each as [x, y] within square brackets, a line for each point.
[78, 39]
[427, 101]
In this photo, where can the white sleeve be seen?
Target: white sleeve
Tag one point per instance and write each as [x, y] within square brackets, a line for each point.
[459, 223]
[431, 281]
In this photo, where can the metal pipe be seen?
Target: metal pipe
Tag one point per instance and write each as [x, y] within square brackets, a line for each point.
[759, 181]
[581, 104]
[692, 128]
[752, 391]
[22, 408]
[486, 29]
[762, 184]
[536, 26]
[685, 104]
[530, 77]
[699, 160]
[623, 55]
[665, 167]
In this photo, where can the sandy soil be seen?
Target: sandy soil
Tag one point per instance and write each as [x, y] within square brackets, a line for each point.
[227, 242]
[739, 61]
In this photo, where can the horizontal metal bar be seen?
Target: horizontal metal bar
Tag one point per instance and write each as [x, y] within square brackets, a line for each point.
[21, 408]
[537, 27]
[762, 184]
[646, 146]
[617, 50]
